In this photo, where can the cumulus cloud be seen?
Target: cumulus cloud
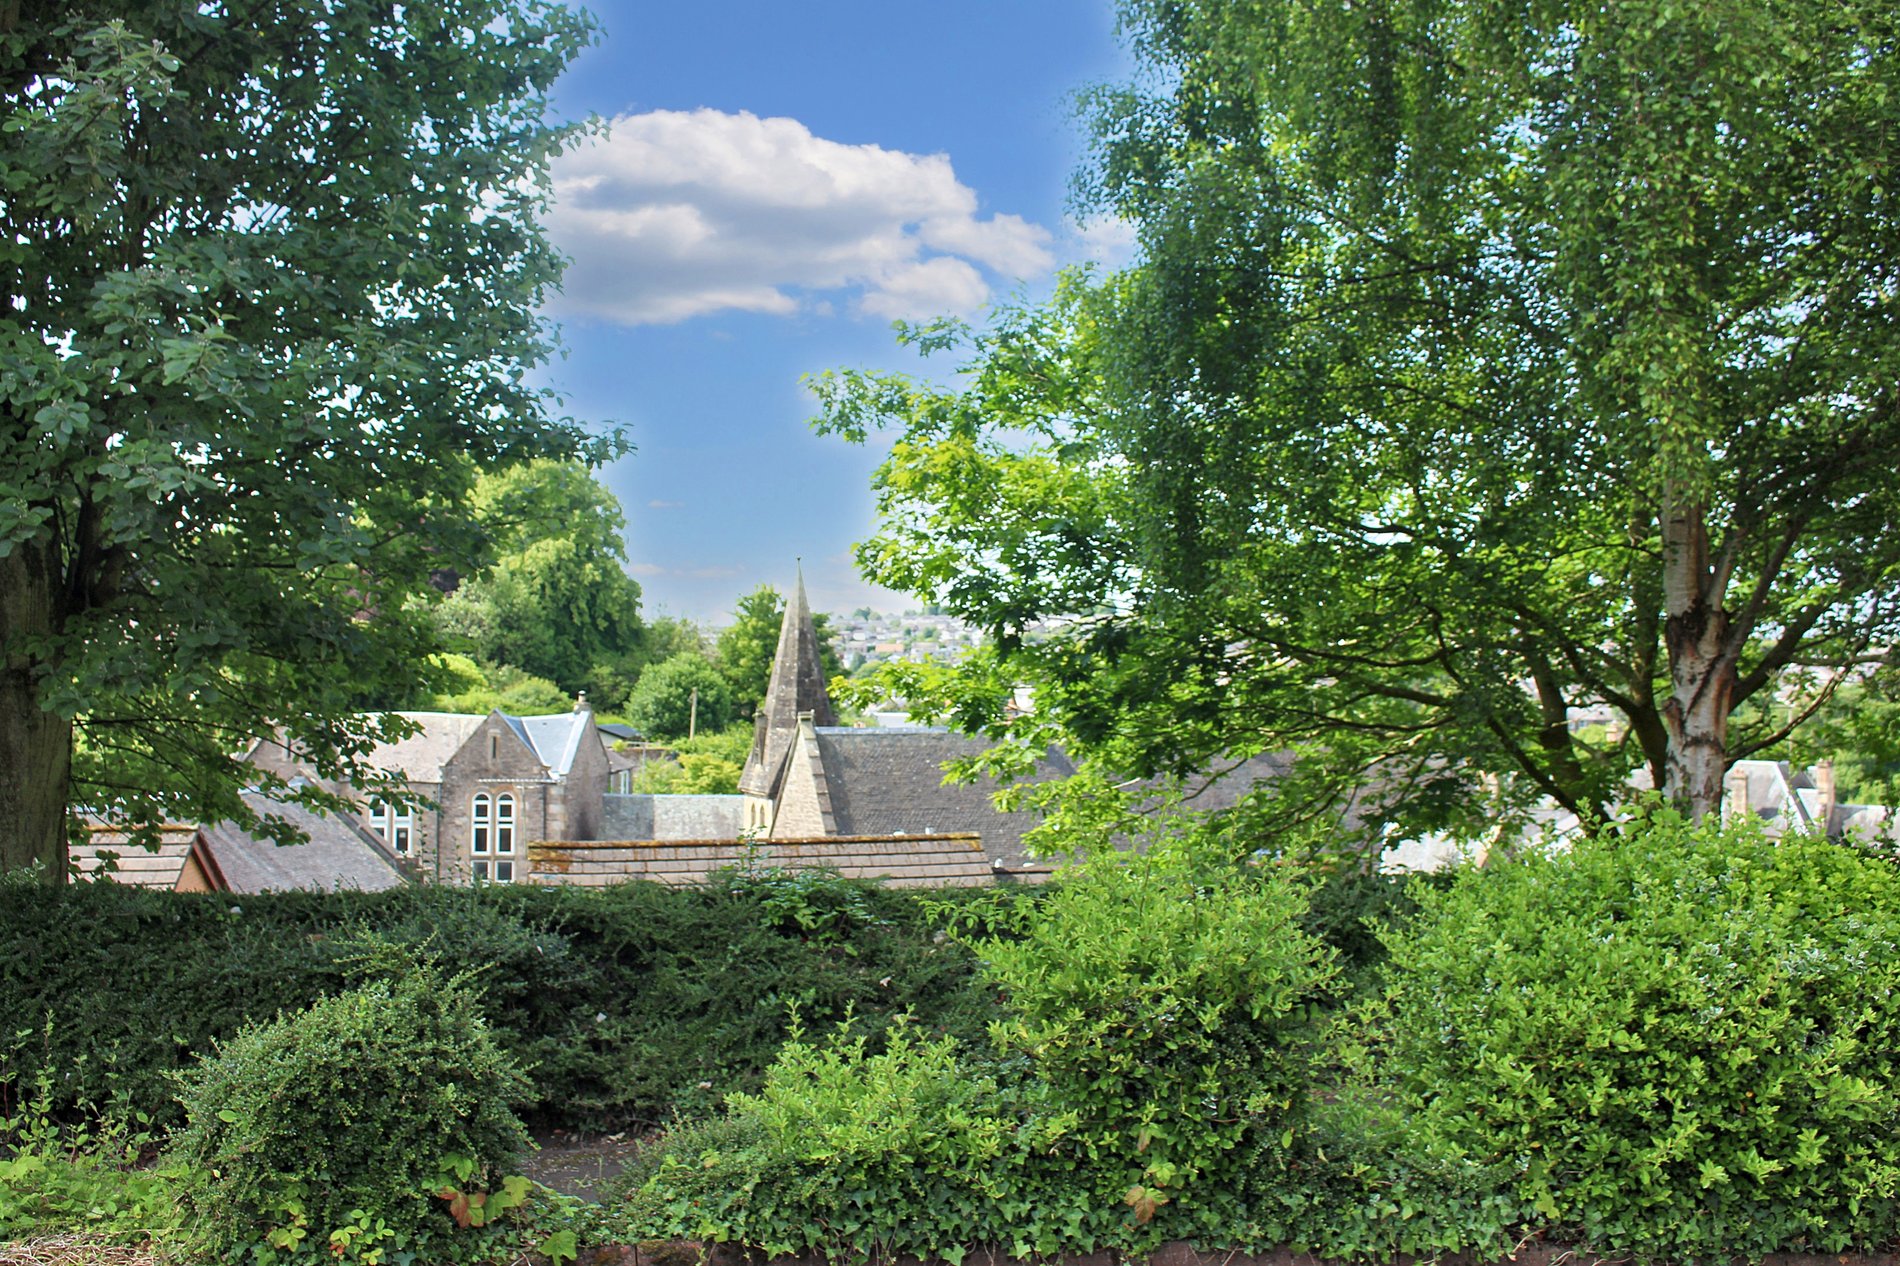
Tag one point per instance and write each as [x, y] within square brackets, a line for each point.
[674, 214]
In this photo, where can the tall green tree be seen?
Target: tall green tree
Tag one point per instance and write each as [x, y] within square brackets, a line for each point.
[559, 603]
[677, 697]
[747, 647]
[272, 277]
[1484, 359]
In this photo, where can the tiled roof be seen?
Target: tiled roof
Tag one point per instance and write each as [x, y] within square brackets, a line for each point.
[891, 782]
[339, 854]
[132, 863]
[908, 862]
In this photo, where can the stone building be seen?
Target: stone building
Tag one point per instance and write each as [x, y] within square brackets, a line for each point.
[493, 782]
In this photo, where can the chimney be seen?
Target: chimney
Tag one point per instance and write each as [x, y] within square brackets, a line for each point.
[1824, 794]
[1735, 793]
[580, 701]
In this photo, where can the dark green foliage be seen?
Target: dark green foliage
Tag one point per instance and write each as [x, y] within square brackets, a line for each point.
[1684, 1041]
[1144, 1083]
[329, 1131]
[680, 696]
[286, 280]
[1352, 911]
[622, 1004]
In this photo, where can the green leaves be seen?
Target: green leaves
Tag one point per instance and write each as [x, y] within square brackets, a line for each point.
[1470, 347]
[275, 281]
[1664, 1039]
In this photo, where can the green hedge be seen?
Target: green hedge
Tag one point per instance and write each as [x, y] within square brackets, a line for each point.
[1146, 1082]
[1676, 1042]
[624, 1004]
[1681, 1041]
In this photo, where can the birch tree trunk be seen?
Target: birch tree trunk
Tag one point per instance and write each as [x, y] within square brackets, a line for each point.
[1700, 641]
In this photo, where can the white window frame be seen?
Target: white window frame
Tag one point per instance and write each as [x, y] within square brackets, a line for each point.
[393, 827]
[481, 823]
[505, 824]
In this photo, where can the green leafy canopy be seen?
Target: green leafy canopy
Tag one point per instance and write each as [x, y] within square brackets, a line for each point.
[1483, 361]
[273, 277]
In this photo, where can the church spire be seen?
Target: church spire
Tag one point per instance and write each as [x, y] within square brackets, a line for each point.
[797, 687]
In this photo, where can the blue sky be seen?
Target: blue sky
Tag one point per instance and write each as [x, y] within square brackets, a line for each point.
[778, 182]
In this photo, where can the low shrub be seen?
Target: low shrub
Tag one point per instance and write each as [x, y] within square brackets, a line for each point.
[845, 1152]
[1144, 1084]
[1163, 998]
[86, 1179]
[329, 1132]
[1675, 1040]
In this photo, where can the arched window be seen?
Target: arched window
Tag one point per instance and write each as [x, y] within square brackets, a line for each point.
[482, 821]
[504, 824]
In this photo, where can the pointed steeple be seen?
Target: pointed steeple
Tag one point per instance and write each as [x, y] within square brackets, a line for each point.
[797, 687]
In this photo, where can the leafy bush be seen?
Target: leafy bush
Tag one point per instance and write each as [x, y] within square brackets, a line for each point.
[848, 1152]
[625, 1004]
[330, 1131]
[1145, 1082]
[1162, 999]
[1678, 1040]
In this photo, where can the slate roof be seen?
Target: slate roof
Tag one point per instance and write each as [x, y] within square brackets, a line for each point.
[647, 817]
[133, 864]
[421, 756]
[887, 782]
[339, 854]
[556, 739]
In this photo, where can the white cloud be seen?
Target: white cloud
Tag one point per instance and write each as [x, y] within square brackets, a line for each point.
[673, 214]
[1108, 240]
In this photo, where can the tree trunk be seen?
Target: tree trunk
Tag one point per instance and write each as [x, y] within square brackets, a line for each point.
[1698, 637]
[36, 746]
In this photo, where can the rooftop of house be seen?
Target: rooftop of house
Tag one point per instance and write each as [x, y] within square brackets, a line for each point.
[338, 854]
[555, 740]
[892, 782]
